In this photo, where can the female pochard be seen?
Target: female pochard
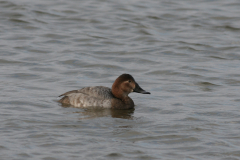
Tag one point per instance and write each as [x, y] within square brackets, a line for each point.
[104, 97]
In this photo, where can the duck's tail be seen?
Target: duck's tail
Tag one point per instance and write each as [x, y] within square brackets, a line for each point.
[64, 100]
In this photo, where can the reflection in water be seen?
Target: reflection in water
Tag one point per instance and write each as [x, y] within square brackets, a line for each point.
[95, 113]
[186, 54]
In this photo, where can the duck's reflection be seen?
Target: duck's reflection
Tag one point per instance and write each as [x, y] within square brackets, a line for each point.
[95, 113]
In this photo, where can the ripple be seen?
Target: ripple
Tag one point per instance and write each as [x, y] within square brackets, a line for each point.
[25, 76]
[185, 54]
[18, 21]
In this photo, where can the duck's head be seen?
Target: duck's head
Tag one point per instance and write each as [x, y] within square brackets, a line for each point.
[124, 85]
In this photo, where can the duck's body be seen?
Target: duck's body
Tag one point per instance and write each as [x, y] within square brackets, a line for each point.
[104, 97]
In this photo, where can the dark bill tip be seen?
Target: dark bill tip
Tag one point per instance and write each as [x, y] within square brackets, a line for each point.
[145, 92]
[138, 89]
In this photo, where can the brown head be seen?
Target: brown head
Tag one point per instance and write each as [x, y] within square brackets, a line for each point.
[124, 85]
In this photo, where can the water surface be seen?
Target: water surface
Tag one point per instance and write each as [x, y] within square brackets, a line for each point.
[187, 54]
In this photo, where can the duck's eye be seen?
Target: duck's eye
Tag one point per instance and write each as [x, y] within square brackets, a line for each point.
[129, 81]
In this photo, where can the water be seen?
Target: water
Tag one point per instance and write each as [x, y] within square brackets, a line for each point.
[186, 53]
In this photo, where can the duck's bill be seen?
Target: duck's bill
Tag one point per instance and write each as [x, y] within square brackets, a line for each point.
[138, 89]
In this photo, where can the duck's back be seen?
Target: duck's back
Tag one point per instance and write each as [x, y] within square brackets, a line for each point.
[98, 96]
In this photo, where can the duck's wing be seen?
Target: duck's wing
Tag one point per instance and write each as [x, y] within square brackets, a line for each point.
[99, 92]
[85, 101]
[98, 96]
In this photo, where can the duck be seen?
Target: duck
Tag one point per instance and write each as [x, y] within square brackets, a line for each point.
[104, 97]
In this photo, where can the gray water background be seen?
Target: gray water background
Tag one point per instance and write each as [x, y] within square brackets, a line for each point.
[186, 53]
